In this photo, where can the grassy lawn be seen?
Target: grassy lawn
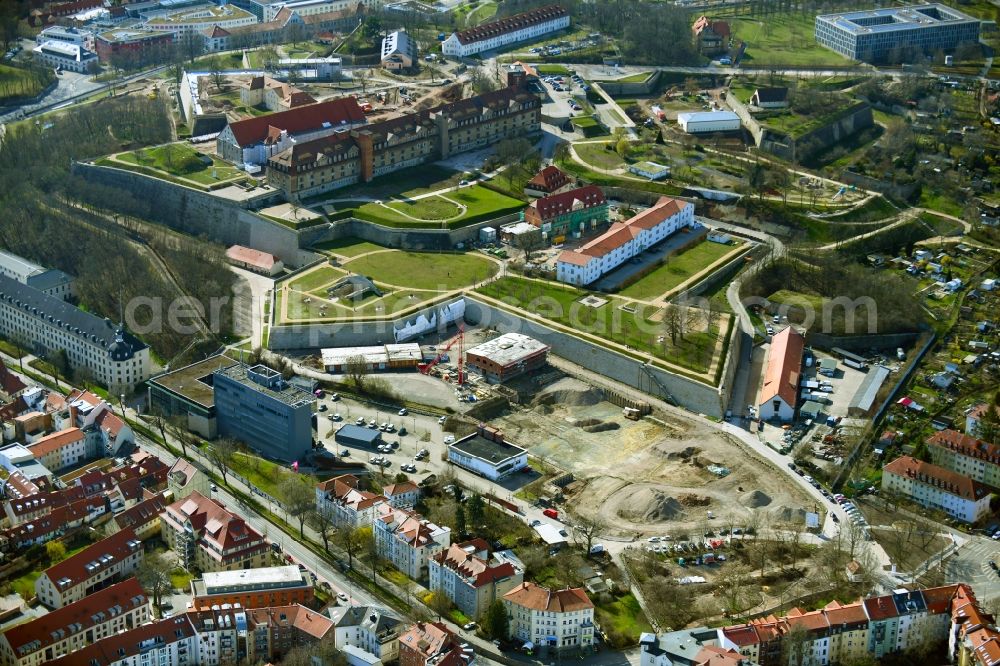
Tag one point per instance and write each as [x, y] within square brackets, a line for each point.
[432, 209]
[552, 70]
[178, 159]
[589, 126]
[316, 278]
[783, 39]
[596, 154]
[483, 13]
[939, 202]
[424, 270]
[10, 349]
[180, 579]
[634, 78]
[16, 82]
[25, 585]
[479, 200]
[624, 617]
[790, 297]
[677, 269]
[640, 329]
[348, 247]
[260, 473]
[403, 183]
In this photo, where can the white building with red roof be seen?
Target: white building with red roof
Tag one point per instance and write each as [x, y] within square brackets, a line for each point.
[472, 579]
[94, 568]
[571, 213]
[121, 607]
[559, 619]
[521, 27]
[62, 449]
[254, 260]
[779, 391]
[208, 536]
[401, 495]
[623, 241]
[432, 644]
[407, 540]
[937, 488]
[254, 140]
[169, 642]
[342, 499]
[971, 457]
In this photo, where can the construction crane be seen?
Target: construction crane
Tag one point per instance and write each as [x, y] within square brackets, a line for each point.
[460, 339]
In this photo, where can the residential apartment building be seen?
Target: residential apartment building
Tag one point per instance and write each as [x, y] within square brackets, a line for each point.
[367, 628]
[966, 455]
[94, 568]
[468, 576]
[573, 213]
[142, 518]
[273, 95]
[623, 240]
[975, 416]
[198, 19]
[688, 646]
[167, 642]
[341, 498]
[344, 158]
[222, 636]
[273, 632]
[937, 488]
[259, 408]
[710, 37]
[401, 495]
[118, 608]
[254, 140]
[561, 619]
[307, 8]
[105, 430]
[408, 541]
[398, 51]
[547, 181]
[506, 31]
[973, 639]
[47, 280]
[183, 478]
[48, 324]
[207, 536]
[431, 644]
[252, 588]
[62, 449]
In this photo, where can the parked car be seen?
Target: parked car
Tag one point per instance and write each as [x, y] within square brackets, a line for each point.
[403, 412]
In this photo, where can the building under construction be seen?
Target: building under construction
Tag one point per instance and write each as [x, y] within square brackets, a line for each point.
[506, 357]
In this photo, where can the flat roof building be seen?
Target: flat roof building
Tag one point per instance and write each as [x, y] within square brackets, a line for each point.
[506, 357]
[488, 454]
[381, 357]
[896, 34]
[355, 435]
[699, 122]
[252, 588]
[189, 392]
[65, 55]
[259, 408]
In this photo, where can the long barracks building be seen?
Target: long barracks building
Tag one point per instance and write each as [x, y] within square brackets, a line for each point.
[361, 154]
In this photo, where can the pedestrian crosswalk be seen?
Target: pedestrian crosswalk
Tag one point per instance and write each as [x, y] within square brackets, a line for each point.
[972, 565]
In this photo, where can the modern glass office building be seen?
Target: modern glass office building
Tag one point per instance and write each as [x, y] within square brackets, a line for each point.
[880, 35]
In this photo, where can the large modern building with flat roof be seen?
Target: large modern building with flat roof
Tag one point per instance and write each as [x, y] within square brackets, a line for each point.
[259, 408]
[894, 33]
[252, 588]
[486, 453]
[189, 393]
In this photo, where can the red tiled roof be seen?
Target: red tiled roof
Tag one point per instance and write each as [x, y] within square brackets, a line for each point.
[720, 28]
[248, 255]
[938, 599]
[622, 232]
[309, 622]
[714, 655]
[142, 513]
[88, 612]
[110, 423]
[129, 643]
[399, 488]
[741, 635]
[880, 608]
[849, 615]
[13, 408]
[212, 522]
[9, 382]
[562, 203]
[939, 477]
[813, 621]
[549, 179]
[966, 445]
[536, 597]
[476, 570]
[74, 570]
[784, 362]
[301, 119]
[511, 24]
[429, 639]
[55, 441]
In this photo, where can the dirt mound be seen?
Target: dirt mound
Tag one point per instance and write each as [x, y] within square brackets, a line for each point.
[685, 454]
[694, 500]
[569, 393]
[755, 499]
[649, 505]
[583, 423]
[602, 426]
[787, 514]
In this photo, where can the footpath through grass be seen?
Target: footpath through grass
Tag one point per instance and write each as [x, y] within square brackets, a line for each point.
[350, 246]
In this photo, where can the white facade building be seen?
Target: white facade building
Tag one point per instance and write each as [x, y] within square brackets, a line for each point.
[200, 19]
[93, 568]
[367, 628]
[347, 505]
[497, 34]
[48, 280]
[623, 241]
[698, 122]
[398, 51]
[486, 453]
[314, 7]
[408, 541]
[561, 619]
[113, 356]
[70, 57]
[58, 33]
[937, 488]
